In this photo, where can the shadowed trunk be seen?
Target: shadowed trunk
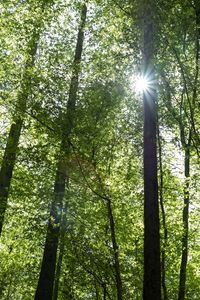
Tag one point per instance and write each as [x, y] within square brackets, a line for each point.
[47, 274]
[152, 268]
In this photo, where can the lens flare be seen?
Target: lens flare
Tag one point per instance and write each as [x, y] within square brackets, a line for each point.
[141, 84]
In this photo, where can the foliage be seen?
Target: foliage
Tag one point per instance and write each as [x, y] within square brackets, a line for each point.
[106, 144]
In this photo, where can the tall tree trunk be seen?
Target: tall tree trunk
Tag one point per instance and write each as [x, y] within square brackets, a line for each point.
[46, 278]
[163, 254]
[184, 257]
[10, 151]
[152, 268]
[115, 249]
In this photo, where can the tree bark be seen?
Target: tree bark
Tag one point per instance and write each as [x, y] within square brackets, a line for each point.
[47, 274]
[184, 257]
[152, 268]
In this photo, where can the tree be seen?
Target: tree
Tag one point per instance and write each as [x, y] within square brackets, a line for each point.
[47, 273]
[152, 269]
[184, 116]
[186, 140]
[10, 152]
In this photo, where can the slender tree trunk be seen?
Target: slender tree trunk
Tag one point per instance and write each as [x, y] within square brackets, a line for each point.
[187, 147]
[184, 258]
[116, 253]
[10, 151]
[113, 239]
[152, 268]
[163, 254]
[47, 274]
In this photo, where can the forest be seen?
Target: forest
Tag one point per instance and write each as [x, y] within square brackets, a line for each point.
[99, 149]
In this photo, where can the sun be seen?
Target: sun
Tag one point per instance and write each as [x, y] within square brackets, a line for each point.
[140, 84]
